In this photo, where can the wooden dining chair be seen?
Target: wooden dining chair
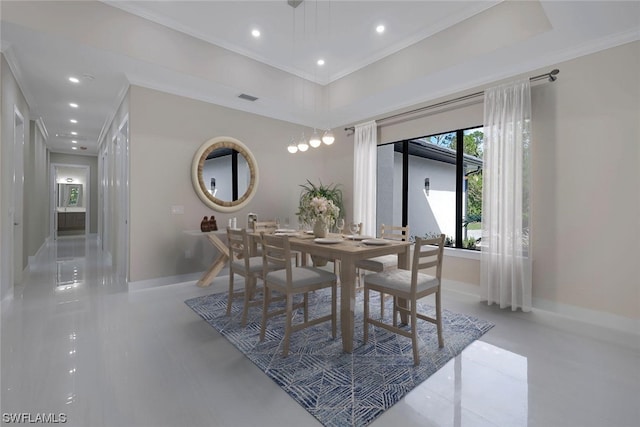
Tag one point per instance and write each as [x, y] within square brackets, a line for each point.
[385, 262]
[269, 227]
[293, 281]
[243, 264]
[264, 226]
[410, 286]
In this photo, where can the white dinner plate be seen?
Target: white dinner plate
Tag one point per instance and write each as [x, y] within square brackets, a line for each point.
[285, 230]
[281, 233]
[327, 240]
[375, 242]
[357, 237]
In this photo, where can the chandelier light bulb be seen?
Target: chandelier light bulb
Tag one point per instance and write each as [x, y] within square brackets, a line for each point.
[303, 145]
[328, 137]
[292, 148]
[315, 140]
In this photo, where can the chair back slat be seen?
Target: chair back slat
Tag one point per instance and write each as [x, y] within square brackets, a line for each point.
[426, 265]
[238, 243]
[264, 226]
[276, 251]
[394, 232]
[426, 256]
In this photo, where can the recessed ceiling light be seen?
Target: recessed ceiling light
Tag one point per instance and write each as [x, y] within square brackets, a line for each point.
[73, 141]
[380, 29]
[74, 80]
[74, 148]
[73, 105]
[74, 133]
[255, 33]
[73, 121]
[320, 62]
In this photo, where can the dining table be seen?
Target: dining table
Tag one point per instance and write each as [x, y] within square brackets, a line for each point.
[348, 250]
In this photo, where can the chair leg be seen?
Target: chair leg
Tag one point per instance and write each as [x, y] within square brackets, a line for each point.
[395, 312]
[249, 289]
[381, 304]
[230, 299]
[334, 305]
[287, 327]
[366, 314]
[414, 334]
[265, 306]
[439, 319]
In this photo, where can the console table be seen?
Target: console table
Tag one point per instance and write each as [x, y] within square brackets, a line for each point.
[214, 237]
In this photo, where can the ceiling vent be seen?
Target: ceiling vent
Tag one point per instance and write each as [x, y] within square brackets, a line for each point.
[294, 3]
[247, 97]
[69, 136]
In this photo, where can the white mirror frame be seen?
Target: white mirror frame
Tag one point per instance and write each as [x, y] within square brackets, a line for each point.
[197, 167]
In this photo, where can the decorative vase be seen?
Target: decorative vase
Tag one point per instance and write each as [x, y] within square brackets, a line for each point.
[320, 228]
[213, 225]
[204, 225]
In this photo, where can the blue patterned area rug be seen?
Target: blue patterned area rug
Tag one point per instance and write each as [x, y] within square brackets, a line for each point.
[337, 388]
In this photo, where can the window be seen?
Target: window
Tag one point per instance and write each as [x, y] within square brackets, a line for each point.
[434, 185]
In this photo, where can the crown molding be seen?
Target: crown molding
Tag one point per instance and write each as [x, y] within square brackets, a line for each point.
[112, 115]
[10, 56]
[554, 60]
[42, 127]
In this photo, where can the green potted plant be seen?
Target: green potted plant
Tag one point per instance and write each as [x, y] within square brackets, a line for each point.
[320, 206]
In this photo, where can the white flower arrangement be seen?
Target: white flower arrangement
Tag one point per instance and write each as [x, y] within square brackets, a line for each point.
[319, 208]
[319, 202]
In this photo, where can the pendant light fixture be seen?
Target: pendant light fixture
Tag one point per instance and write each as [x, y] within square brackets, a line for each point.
[316, 140]
[303, 145]
[293, 147]
[328, 137]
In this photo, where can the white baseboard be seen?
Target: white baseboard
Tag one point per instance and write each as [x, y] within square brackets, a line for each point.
[626, 331]
[461, 288]
[594, 317]
[6, 300]
[169, 280]
[32, 259]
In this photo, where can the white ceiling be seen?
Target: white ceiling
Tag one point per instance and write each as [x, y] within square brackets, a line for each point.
[205, 50]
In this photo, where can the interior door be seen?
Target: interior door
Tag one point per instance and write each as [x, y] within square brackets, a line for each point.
[122, 176]
[18, 198]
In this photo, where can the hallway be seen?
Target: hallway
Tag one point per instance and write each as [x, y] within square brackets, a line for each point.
[76, 342]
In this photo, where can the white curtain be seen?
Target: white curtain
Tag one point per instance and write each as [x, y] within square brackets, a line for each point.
[365, 150]
[505, 267]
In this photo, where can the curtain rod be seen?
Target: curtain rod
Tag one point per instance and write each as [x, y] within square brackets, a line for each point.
[551, 76]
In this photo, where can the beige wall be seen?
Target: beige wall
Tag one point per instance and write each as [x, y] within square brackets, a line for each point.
[36, 192]
[92, 162]
[585, 195]
[166, 130]
[586, 202]
[11, 97]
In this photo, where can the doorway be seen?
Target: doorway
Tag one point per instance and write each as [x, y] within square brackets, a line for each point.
[71, 200]
[16, 214]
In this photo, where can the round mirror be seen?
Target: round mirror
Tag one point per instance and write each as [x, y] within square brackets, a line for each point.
[224, 174]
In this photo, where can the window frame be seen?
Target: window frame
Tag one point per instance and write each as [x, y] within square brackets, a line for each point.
[459, 180]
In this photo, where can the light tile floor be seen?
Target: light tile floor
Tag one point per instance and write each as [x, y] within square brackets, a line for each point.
[75, 341]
